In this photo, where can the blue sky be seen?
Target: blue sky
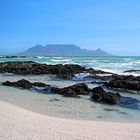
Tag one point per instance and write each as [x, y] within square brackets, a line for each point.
[112, 25]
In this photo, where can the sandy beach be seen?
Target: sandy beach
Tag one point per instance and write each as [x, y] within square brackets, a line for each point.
[17, 123]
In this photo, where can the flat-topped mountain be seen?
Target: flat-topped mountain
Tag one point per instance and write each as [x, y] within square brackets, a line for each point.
[61, 50]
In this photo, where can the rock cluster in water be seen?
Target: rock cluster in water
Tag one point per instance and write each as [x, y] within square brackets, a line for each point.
[98, 94]
[24, 84]
[124, 84]
[127, 82]
[105, 97]
[71, 91]
[67, 72]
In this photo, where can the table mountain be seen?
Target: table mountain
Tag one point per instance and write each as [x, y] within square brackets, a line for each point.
[61, 50]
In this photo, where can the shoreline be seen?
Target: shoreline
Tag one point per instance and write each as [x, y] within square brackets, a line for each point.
[18, 123]
[69, 108]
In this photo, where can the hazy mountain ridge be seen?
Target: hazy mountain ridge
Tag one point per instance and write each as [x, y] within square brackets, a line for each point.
[61, 50]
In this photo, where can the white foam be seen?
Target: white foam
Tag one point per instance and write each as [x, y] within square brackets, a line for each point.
[81, 76]
[57, 60]
[40, 57]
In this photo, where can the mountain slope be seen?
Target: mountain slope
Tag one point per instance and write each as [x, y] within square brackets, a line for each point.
[61, 50]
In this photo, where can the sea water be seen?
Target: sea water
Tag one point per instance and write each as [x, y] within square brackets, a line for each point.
[72, 108]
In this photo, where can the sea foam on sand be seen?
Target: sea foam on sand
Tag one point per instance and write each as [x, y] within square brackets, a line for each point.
[19, 124]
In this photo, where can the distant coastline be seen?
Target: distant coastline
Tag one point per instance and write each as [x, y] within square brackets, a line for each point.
[61, 50]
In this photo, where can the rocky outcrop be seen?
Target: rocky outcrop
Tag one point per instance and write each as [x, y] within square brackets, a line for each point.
[66, 71]
[124, 84]
[99, 95]
[24, 84]
[93, 71]
[114, 77]
[125, 77]
[38, 84]
[72, 91]
[132, 71]
[127, 82]
[25, 68]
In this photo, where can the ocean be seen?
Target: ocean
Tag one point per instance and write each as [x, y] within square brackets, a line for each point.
[73, 108]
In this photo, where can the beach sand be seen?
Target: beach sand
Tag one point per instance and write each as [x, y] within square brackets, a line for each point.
[19, 124]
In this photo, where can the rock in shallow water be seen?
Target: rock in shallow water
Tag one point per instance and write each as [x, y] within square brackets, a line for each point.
[124, 84]
[99, 95]
[24, 84]
[127, 82]
[72, 91]
[38, 84]
[66, 71]
[111, 77]
[29, 67]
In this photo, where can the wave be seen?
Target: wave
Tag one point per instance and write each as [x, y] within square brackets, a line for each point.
[62, 61]
[40, 57]
[81, 76]
[54, 60]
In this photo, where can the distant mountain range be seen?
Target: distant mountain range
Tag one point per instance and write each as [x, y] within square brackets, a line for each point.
[61, 50]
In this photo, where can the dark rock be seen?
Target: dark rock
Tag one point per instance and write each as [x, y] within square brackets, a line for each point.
[28, 67]
[21, 83]
[99, 95]
[66, 77]
[98, 82]
[130, 71]
[99, 78]
[72, 91]
[24, 84]
[124, 84]
[8, 83]
[93, 71]
[38, 84]
[24, 68]
[128, 82]
[125, 77]
[98, 90]
[113, 77]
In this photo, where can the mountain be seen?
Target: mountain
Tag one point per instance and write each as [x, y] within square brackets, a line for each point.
[61, 50]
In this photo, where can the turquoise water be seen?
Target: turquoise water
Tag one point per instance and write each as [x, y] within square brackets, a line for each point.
[111, 64]
[70, 107]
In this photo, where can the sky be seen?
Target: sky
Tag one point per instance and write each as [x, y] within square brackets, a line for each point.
[112, 25]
